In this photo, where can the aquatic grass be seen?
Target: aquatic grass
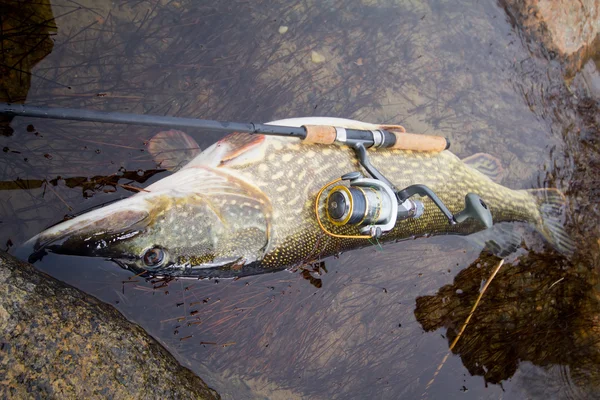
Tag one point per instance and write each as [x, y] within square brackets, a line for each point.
[257, 302]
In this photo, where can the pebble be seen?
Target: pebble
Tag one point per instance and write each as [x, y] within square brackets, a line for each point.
[283, 29]
[316, 57]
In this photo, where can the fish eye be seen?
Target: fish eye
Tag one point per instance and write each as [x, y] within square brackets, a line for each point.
[154, 257]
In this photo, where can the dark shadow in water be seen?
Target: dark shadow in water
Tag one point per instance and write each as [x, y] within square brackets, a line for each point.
[88, 185]
[540, 309]
[26, 28]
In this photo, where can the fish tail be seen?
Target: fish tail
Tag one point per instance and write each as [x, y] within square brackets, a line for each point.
[552, 207]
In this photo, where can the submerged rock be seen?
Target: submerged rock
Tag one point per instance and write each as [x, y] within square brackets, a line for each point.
[568, 29]
[537, 297]
[57, 342]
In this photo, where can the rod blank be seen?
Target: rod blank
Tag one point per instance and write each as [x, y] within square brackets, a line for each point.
[20, 110]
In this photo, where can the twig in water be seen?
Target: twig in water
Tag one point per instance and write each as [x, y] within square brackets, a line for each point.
[556, 282]
[133, 188]
[59, 197]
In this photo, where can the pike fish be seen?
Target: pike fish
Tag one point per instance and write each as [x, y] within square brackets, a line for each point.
[246, 205]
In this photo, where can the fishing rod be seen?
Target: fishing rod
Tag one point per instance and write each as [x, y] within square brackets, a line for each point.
[309, 133]
[372, 204]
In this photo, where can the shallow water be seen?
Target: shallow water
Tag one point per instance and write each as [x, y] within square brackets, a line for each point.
[375, 322]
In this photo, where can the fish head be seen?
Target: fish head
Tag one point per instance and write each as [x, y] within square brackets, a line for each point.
[193, 223]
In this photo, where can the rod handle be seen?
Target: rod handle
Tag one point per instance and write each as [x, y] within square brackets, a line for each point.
[321, 134]
[416, 142]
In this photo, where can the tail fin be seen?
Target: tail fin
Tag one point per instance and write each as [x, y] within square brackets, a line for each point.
[552, 207]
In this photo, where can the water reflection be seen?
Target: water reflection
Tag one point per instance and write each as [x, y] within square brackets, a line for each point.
[26, 28]
[541, 309]
[457, 69]
[89, 185]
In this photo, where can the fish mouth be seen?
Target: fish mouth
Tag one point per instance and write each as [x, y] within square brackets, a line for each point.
[93, 245]
[93, 234]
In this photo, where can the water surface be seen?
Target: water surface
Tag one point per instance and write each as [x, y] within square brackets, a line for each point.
[372, 323]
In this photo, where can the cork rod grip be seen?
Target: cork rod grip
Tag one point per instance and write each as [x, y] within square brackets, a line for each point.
[320, 134]
[416, 142]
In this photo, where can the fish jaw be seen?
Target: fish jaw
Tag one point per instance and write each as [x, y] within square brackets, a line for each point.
[96, 233]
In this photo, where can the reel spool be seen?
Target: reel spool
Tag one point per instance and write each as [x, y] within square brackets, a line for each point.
[375, 205]
[369, 204]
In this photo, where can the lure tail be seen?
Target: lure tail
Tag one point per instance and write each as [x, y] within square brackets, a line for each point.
[552, 206]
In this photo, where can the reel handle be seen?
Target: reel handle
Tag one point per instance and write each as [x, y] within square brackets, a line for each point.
[477, 209]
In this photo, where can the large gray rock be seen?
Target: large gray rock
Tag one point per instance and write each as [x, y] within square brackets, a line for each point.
[57, 342]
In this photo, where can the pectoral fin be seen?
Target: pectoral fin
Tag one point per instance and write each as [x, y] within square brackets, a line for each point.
[173, 149]
[501, 240]
[240, 147]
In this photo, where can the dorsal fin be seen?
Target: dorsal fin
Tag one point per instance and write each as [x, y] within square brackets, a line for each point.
[173, 149]
[237, 145]
[487, 164]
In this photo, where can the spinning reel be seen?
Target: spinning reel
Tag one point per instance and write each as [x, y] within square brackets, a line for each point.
[375, 205]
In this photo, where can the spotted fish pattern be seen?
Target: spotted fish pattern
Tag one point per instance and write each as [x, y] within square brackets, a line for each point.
[294, 172]
[246, 205]
[290, 173]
